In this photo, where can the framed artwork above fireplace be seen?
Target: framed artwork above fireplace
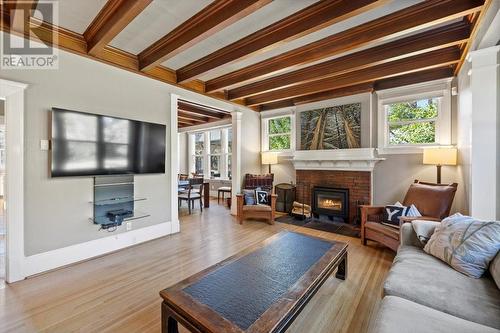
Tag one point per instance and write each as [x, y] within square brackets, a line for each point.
[336, 127]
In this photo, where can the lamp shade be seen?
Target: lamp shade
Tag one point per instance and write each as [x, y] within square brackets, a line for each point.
[269, 157]
[440, 156]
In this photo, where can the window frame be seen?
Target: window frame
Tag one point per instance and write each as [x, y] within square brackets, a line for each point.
[441, 90]
[266, 135]
[206, 154]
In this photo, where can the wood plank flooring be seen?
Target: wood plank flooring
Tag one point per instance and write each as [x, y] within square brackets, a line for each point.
[119, 292]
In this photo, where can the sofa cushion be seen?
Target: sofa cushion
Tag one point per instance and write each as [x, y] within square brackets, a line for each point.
[398, 315]
[383, 229]
[426, 280]
[257, 208]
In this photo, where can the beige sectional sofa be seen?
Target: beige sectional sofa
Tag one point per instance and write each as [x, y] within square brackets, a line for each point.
[424, 294]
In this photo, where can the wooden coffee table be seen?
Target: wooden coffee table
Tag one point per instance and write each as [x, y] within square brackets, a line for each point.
[261, 289]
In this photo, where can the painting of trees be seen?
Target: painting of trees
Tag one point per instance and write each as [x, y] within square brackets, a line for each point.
[336, 127]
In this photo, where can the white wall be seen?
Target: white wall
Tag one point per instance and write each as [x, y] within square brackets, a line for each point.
[57, 211]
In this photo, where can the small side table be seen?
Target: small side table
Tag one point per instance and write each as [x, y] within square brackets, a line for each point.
[223, 190]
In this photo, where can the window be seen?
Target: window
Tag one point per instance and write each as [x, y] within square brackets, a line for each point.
[199, 147]
[412, 122]
[215, 153]
[211, 152]
[413, 117]
[278, 133]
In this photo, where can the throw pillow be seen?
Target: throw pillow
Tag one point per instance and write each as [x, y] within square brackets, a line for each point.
[392, 213]
[424, 229]
[249, 196]
[466, 244]
[262, 197]
[413, 211]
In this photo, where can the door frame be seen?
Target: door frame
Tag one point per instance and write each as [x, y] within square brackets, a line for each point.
[13, 94]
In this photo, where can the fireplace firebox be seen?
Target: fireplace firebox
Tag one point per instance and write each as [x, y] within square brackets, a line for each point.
[332, 202]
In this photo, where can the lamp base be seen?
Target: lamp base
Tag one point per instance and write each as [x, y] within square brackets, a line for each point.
[438, 167]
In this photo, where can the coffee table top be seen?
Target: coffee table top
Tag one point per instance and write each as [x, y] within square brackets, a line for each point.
[258, 288]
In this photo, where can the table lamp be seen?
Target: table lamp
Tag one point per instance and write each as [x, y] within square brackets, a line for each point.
[269, 158]
[439, 157]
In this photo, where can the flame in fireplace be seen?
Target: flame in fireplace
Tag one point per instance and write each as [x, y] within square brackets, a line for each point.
[330, 204]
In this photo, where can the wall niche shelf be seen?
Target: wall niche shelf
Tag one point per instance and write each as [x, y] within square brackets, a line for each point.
[114, 202]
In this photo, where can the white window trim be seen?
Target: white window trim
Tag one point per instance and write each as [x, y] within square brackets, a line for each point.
[224, 155]
[440, 89]
[265, 132]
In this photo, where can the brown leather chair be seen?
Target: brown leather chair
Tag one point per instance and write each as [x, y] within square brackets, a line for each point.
[252, 182]
[432, 200]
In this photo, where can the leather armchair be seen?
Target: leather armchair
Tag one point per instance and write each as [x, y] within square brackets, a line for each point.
[432, 200]
[251, 182]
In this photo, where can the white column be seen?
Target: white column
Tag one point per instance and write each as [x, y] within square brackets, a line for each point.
[485, 150]
[174, 162]
[224, 149]
[236, 159]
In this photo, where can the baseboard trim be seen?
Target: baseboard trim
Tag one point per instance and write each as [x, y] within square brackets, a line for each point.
[50, 260]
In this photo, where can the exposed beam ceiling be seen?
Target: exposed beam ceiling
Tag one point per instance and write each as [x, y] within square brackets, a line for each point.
[402, 80]
[395, 45]
[413, 78]
[210, 20]
[310, 19]
[423, 61]
[446, 36]
[198, 109]
[410, 19]
[111, 20]
[333, 93]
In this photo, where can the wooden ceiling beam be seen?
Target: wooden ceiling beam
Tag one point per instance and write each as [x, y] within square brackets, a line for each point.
[475, 21]
[446, 36]
[421, 15]
[419, 62]
[334, 93]
[111, 20]
[190, 116]
[203, 110]
[413, 78]
[213, 18]
[397, 81]
[315, 17]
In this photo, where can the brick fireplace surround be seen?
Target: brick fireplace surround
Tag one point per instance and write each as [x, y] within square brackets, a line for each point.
[358, 183]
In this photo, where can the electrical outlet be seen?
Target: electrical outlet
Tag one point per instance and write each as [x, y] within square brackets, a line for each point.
[129, 226]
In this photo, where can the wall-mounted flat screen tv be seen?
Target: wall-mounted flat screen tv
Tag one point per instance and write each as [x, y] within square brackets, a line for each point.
[85, 144]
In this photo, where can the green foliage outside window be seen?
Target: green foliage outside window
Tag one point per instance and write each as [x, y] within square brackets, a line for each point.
[280, 133]
[413, 122]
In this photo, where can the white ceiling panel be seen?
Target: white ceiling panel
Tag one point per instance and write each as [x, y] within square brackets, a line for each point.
[159, 18]
[75, 15]
[391, 7]
[267, 15]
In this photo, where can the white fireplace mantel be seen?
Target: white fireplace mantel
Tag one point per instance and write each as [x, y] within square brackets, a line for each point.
[358, 159]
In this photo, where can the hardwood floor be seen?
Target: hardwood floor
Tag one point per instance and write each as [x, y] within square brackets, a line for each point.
[119, 292]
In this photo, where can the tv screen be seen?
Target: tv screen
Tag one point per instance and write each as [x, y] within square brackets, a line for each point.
[85, 144]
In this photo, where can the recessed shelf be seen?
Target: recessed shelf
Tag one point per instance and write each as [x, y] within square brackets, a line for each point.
[112, 201]
[104, 220]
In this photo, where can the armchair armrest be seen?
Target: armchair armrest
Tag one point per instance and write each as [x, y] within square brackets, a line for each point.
[367, 210]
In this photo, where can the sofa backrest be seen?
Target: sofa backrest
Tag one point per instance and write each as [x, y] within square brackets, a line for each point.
[495, 269]
[265, 182]
[432, 200]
